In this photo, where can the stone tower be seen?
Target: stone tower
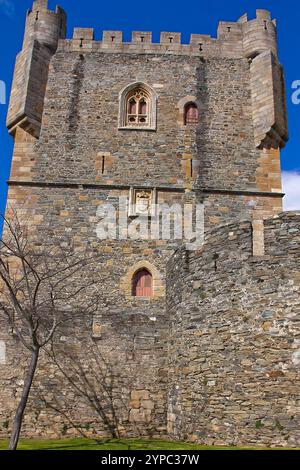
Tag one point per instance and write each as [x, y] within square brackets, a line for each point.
[43, 29]
[167, 123]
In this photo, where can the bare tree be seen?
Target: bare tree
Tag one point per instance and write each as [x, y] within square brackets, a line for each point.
[45, 281]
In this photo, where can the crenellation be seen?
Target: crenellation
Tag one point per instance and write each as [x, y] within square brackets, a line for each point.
[170, 38]
[229, 31]
[85, 34]
[43, 30]
[40, 5]
[141, 37]
[112, 37]
[196, 39]
[234, 39]
[263, 15]
[206, 48]
[46, 26]
[259, 35]
[243, 19]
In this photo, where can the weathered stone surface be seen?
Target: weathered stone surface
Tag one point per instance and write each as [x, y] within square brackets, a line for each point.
[245, 388]
[2, 352]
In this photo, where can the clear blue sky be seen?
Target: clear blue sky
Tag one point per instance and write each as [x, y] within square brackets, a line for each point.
[190, 16]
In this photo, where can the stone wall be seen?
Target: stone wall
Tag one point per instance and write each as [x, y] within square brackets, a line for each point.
[234, 340]
[128, 335]
[79, 110]
[110, 350]
[80, 131]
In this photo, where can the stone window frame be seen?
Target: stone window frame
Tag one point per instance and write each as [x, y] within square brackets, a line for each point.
[158, 283]
[124, 97]
[181, 107]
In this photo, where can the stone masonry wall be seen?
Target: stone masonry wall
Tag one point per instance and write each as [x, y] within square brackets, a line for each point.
[82, 113]
[234, 340]
[71, 156]
[128, 334]
[80, 127]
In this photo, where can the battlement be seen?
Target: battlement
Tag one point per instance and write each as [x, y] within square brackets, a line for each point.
[141, 42]
[244, 38]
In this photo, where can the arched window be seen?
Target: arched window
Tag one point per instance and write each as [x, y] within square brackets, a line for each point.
[137, 108]
[191, 114]
[132, 106]
[142, 284]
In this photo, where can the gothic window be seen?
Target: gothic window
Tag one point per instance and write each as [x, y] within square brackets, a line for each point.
[138, 105]
[137, 108]
[142, 284]
[143, 107]
[191, 114]
[132, 106]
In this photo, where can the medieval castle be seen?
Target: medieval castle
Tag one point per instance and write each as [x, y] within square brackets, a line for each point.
[205, 342]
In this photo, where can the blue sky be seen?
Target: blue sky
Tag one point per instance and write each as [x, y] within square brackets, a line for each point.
[190, 16]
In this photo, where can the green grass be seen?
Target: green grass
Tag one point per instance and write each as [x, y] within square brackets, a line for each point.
[114, 444]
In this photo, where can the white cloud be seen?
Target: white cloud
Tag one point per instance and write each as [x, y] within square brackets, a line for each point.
[7, 7]
[291, 188]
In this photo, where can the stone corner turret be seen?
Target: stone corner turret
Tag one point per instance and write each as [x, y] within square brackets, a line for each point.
[43, 30]
[259, 34]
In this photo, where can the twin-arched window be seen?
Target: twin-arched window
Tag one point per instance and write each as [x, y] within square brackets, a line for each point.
[142, 284]
[137, 107]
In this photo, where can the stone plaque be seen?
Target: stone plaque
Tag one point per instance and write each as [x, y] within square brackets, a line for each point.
[143, 200]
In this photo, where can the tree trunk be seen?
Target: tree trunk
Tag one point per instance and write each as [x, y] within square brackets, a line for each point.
[18, 419]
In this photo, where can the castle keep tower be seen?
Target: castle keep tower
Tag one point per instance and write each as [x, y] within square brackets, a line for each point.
[158, 123]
